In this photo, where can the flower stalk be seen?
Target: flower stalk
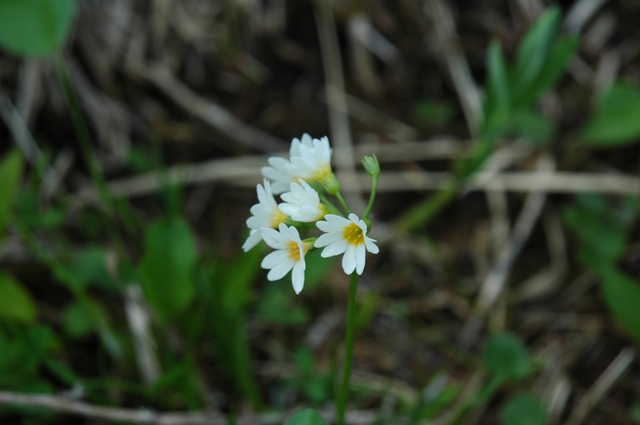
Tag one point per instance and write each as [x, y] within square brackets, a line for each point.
[343, 396]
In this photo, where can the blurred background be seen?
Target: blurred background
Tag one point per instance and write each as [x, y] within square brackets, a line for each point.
[132, 136]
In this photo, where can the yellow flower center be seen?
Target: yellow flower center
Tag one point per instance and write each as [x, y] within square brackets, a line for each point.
[322, 174]
[276, 218]
[294, 251]
[353, 234]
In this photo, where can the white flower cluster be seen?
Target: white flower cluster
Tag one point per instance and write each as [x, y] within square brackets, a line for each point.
[300, 182]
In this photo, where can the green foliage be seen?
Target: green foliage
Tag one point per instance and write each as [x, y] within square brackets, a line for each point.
[512, 91]
[16, 302]
[166, 268]
[77, 321]
[225, 287]
[615, 121]
[506, 357]
[277, 305]
[316, 387]
[433, 112]
[35, 27]
[23, 353]
[603, 232]
[622, 295]
[10, 175]
[523, 409]
[305, 417]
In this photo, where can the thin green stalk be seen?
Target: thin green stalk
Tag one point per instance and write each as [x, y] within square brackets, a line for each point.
[372, 197]
[424, 211]
[332, 208]
[343, 396]
[84, 140]
[343, 203]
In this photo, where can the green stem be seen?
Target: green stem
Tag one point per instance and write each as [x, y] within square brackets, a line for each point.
[343, 396]
[372, 197]
[330, 207]
[343, 203]
[425, 210]
[84, 140]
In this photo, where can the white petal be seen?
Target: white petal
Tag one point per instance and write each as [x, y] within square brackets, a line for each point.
[255, 236]
[327, 227]
[273, 259]
[328, 239]
[273, 238]
[279, 187]
[297, 276]
[280, 270]
[336, 219]
[360, 258]
[289, 210]
[371, 246]
[349, 260]
[334, 249]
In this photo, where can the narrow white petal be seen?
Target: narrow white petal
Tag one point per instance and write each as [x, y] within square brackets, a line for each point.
[297, 277]
[255, 236]
[280, 270]
[327, 227]
[273, 238]
[336, 219]
[349, 260]
[361, 258]
[371, 246]
[329, 238]
[273, 259]
[334, 249]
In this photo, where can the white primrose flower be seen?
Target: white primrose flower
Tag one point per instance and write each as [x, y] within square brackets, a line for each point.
[314, 161]
[302, 203]
[264, 214]
[348, 236]
[278, 166]
[289, 255]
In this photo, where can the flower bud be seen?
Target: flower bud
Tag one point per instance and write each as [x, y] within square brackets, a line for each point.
[331, 184]
[371, 165]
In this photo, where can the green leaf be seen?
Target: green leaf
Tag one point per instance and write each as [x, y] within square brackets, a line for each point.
[77, 321]
[165, 271]
[622, 295]
[533, 51]
[498, 102]
[554, 66]
[602, 232]
[277, 305]
[235, 280]
[615, 121]
[531, 126]
[523, 409]
[15, 301]
[305, 417]
[506, 356]
[10, 174]
[35, 27]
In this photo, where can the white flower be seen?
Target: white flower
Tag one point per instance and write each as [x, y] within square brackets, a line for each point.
[278, 166]
[302, 203]
[289, 255]
[314, 161]
[348, 236]
[264, 214]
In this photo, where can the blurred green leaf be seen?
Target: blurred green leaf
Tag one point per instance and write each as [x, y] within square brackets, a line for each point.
[531, 126]
[554, 66]
[523, 409]
[305, 417]
[533, 51]
[622, 294]
[236, 278]
[276, 305]
[77, 321]
[498, 101]
[166, 268]
[16, 302]
[429, 111]
[506, 356]
[10, 174]
[616, 119]
[88, 266]
[602, 233]
[35, 27]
